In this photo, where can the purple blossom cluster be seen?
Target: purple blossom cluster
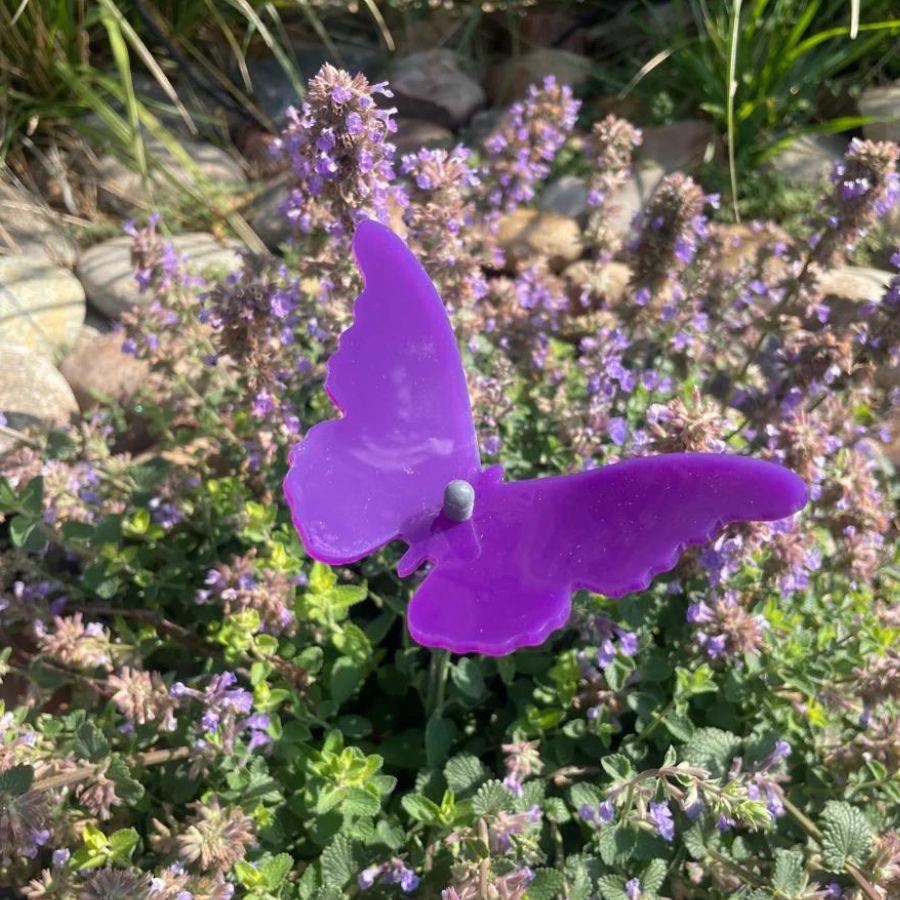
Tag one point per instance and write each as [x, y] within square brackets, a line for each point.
[522, 761]
[522, 147]
[394, 871]
[243, 585]
[341, 159]
[226, 714]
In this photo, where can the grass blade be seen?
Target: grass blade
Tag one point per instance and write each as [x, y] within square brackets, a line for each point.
[729, 104]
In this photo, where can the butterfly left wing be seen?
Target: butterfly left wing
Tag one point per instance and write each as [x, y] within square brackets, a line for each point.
[406, 429]
[504, 579]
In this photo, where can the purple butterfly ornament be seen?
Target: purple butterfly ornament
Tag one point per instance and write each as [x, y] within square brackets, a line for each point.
[402, 463]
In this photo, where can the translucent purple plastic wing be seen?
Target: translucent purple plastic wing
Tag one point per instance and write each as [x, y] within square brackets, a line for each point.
[503, 579]
[362, 480]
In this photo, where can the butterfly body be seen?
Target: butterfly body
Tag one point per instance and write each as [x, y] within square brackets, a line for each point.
[504, 563]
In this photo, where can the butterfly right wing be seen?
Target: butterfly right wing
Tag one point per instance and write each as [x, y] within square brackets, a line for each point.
[504, 580]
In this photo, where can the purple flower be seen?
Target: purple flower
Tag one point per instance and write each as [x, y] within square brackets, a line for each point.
[661, 816]
[606, 812]
[633, 889]
[606, 654]
[617, 430]
[367, 877]
[628, 642]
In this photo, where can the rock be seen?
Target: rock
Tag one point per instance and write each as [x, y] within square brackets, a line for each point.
[847, 288]
[41, 305]
[567, 195]
[510, 79]
[633, 196]
[432, 85]
[481, 125]
[552, 29]
[97, 366]
[882, 103]
[121, 188]
[32, 393]
[413, 134]
[810, 158]
[741, 243]
[264, 214]
[29, 226]
[608, 281]
[526, 232]
[677, 147]
[106, 272]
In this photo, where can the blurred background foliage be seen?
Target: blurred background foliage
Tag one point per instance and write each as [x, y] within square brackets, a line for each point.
[140, 75]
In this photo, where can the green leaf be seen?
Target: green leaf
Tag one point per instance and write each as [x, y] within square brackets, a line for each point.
[546, 884]
[276, 870]
[490, 798]
[17, 780]
[90, 742]
[711, 749]
[339, 862]
[464, 773]
[421, 809]
[612, 887]
[328, 799]
[616, 843]
[467, 676]
[24, 533]
[31, 500]
[359, 802]
[789, 876]
[122, 844]
[652, 877]
[583, 793]
[618, 767]
[846, 835]
[345, 678]
[128, 789]
[7, 496]
[439, 734]
[556, 810]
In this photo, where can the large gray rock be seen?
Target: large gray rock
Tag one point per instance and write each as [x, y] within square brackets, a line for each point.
[882, 103]
[97, 367]
[848, 288]
[525, 233]
[413, 134]
[41, 305]
[107, 274]
[810, 158]
[29, 226]
[121, 188]
[264, 214]
[510, 79]
[567, 195]
[633, 196]
[433, 86]
[32, 393]
[680, 146]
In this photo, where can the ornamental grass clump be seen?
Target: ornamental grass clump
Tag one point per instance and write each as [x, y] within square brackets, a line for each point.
[195, 710]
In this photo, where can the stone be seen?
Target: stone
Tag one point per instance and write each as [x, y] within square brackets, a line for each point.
[810, 158]
[32, 393]
[608, 281]
[482, 125]
[681, 146]
[41, 305]
[29, 226]
[552, 29]
[264, 215]
[510, 79]
[106, 272]
[881, 103]
[433, 85]
[413, 134]
[121, 187]
[567, 195]
[632, 197]
[524, 232]
[98, 367]
[847, 288]
[741, 244]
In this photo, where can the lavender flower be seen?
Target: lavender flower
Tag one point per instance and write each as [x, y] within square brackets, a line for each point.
[392, 872]
[524, 144]
[341, 160]
[661, 816]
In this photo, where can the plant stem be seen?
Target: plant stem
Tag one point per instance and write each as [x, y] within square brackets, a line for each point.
[438, 671]
[150, 758]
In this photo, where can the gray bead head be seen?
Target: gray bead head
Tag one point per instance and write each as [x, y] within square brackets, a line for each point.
[459, 500]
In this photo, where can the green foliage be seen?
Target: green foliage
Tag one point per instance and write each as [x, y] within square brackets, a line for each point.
[846, 835]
